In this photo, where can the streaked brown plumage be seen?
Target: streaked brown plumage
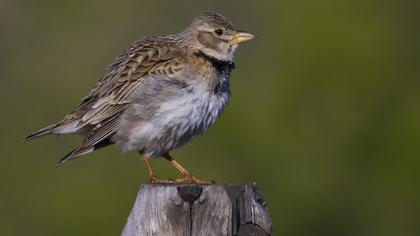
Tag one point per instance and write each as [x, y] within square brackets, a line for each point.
[159, 93]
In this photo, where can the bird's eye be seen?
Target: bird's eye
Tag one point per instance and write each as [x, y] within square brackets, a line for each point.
[219, 32]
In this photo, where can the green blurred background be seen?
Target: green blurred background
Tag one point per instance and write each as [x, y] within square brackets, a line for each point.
[324, 115]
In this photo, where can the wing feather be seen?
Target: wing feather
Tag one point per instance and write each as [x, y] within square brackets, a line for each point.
[98, 113]
[126, 73]
[98, 137]
[102, 107]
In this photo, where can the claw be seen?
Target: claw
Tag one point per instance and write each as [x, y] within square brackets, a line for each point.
[191, 179]
[155, 180]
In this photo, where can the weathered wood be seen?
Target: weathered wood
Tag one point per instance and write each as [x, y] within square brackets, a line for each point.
[198, 210]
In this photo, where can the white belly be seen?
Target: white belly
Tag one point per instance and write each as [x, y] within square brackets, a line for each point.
[188, 113]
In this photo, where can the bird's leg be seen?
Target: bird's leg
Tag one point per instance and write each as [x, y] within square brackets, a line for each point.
[153, 178]
[188, 177]
[149, 168]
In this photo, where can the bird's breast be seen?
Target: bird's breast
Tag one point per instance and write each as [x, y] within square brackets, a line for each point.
[193, 109]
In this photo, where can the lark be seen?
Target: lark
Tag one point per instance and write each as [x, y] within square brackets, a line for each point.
[158, 94]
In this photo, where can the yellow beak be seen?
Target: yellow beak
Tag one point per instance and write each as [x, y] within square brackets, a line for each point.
[241, 37]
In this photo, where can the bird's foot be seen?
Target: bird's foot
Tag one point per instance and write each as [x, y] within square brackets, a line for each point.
[155, 180]
[191, 179]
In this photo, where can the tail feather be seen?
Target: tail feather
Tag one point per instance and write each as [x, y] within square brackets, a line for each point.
[84, 150]
[75, 154]
[41, 132]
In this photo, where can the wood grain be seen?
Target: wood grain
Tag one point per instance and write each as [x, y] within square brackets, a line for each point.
[198, 210]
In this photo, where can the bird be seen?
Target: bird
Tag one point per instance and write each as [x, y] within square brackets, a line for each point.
[157, 95]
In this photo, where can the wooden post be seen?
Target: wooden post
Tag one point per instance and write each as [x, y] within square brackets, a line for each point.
[198, 210]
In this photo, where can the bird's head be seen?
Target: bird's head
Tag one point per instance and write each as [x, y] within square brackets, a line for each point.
[214, 35]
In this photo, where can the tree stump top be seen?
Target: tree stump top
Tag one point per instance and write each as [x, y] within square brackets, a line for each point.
[199, 210]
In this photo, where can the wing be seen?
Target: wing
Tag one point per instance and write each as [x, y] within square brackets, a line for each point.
[101, 109]
[111, 94]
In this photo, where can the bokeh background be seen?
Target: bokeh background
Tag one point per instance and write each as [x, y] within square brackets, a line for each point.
[324, 117]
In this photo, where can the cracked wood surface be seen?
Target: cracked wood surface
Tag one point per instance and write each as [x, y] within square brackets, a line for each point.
[198, 210]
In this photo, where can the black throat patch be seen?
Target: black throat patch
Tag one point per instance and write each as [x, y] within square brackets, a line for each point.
[222, 67]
